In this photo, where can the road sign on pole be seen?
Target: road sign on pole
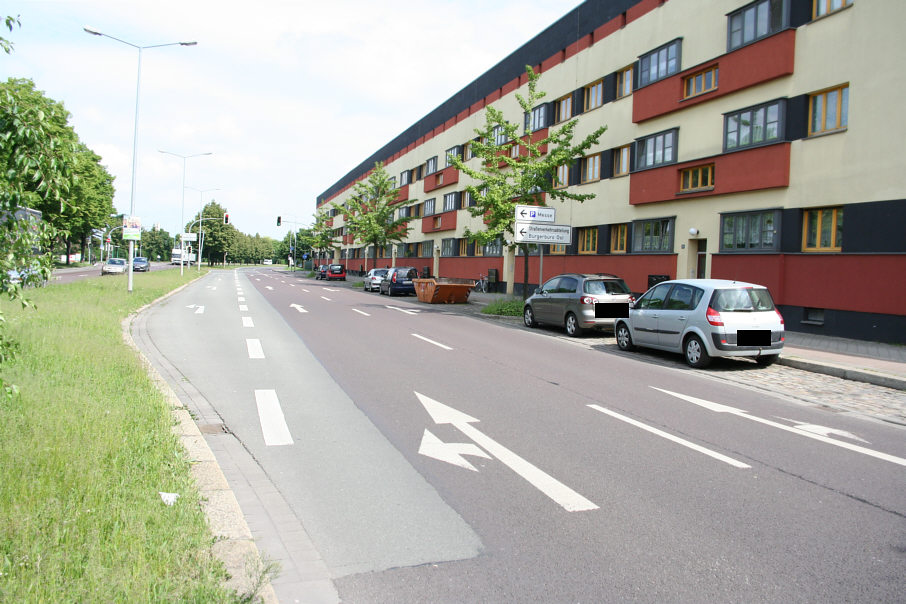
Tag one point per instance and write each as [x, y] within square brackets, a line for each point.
[535, 214]
[532, 232]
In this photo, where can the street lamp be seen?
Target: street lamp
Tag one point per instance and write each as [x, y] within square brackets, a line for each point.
[201, 193]
[138, 82]
[182, 216]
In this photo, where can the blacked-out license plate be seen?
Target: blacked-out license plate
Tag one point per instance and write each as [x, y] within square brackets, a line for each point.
[611, 310]
[753, 337]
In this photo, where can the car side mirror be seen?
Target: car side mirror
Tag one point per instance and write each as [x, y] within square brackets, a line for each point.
[537, 290]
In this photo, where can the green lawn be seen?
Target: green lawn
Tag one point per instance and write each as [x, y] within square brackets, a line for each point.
[84, 450]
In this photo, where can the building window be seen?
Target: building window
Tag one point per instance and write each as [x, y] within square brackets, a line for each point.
[660, 63]
[449, 202]
[591, 168]
[624, 82]
[538, 118]
[404, 212]
[824, 7]
[447, 247]
[495, 248]
[558, 249]
[822, 230]
[428, 207]
[514, 150]
[653, 235]
[755, 21]
[621, 160]
[618, 236]
[750, 231]
[562, 179]
[478, 250]
[564, 108]
[700, 83]
[500, 136]
[414, 210]
[431, 166]
[453, 152]
[829, 110]
[467, 152]
[699, 178]
[463, 247]
[594, 95]
[754, 126]
[656, 150]
[393, 182]
[588, 240]
[405, 177]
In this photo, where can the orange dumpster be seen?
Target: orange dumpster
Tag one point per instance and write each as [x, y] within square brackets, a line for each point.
[440, 290]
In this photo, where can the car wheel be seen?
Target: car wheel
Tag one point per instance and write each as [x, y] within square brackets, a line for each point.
[528, 317]
[767, 359]
[572, 326]
[696, 354]
[624, 338]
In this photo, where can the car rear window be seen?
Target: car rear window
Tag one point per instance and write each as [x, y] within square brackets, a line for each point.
[336, 268]
[742, 299]
[606, 286]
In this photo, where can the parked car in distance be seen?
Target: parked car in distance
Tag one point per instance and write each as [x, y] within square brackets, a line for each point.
[373, 279]
[398, 280]
[113, 266]
[267, 261]
[141, 264]
[335, 271]
[578, 302]
[321, 273]
[705, 318]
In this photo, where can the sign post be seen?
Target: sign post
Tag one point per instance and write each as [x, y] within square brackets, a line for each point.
[534, 224]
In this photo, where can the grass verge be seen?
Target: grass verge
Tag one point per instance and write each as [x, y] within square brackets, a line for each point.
[507, 307]
[84, 450]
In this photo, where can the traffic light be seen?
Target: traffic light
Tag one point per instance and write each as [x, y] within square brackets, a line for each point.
[279, 220]
[226, 219]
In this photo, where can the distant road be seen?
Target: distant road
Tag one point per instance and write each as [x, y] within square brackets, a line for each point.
[68, 275]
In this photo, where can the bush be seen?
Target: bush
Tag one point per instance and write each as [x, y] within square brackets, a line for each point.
[507, 307]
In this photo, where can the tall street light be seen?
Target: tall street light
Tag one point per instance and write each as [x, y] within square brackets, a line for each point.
[201, 193]
[182, 216]
[138, 82]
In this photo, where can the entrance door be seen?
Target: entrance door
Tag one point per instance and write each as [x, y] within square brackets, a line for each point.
[701, 264]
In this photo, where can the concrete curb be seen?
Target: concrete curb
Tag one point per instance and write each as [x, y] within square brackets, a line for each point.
[846, 373]
[234, 546]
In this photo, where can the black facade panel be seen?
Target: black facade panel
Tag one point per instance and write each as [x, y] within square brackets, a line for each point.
[609, 88]
[578, 101]
[800, 12]
[603, 239]
[575, 172]
[873, 327]
[573, 248]
[797, 117]
[607, 164]
[576, 24]
[875, 227]
[791, 231]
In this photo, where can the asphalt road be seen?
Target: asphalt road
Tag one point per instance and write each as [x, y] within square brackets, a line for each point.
[426, 456]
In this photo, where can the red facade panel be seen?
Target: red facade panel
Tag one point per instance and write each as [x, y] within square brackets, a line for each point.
[754, 64]
[447, 176]
[445, 222]
[749, 170]
[402, 194]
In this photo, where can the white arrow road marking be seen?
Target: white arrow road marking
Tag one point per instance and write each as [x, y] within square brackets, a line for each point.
[547, 484]
[438, 344]
[291, 284]
[325, 298]
[825, 431]
[199, 310]
[361, 312]
[405, 310]
[449, 452]
[670, 437]
[243, 308]
[255, 349]
[269, 287]
[273, 423]
[767, 422]
[297, 307]
[212, 287]
[247, 322]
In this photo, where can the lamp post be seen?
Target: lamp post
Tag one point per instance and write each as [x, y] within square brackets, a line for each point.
[201, 193]
[138, 82]
[182, 216]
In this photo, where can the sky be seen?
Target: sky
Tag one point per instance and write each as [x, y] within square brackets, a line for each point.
[285, 96]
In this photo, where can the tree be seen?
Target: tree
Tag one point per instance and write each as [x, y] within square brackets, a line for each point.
[156, 244]
[5, 44]
[502, 181]
[369, 212]
[322, 236]
[217, 235]
[91, 199]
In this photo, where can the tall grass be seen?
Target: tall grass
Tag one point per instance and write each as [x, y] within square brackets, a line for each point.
[84, 450]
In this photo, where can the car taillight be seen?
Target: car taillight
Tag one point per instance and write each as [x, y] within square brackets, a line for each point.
[713, 317]
[393, 279]
[779, 315]
[587, 300]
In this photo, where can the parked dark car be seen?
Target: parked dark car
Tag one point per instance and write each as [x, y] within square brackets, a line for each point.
[398, 280]
[141, 264]
[335, 271]
[321, 273]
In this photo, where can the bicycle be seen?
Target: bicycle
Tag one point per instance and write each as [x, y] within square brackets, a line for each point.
[482, 284]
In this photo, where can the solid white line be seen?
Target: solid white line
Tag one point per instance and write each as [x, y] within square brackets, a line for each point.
[676, 439]
[243, 307]
[360, 312]
[255, 349]
[273, 423]
[438, 344]
[247, 322]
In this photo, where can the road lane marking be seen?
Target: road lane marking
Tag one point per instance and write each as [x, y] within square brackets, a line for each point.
[564, 496]
[306, 291]
[297, 307]
[361, 312]
[241, 299]
[254, 348]
[819, 437]
[243, 308]
[273, 423]
[269, 287]
[438, 344]
[325, 298]
[435, 448]
[407, 311]
[199, 310]
[247, 322]
[670, 437]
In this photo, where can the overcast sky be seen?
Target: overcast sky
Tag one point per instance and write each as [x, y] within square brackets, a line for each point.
[288, 96]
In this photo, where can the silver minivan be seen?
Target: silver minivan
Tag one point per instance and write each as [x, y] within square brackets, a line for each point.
[704, 318]
[578, 301]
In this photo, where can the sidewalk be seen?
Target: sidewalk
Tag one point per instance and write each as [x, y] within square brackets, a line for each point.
[870, 362]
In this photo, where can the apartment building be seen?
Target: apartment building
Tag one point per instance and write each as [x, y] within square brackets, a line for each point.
[756, 141]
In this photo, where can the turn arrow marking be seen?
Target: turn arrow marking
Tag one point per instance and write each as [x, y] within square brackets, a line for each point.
[297, 307]
[567, 498]
[449, 452]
